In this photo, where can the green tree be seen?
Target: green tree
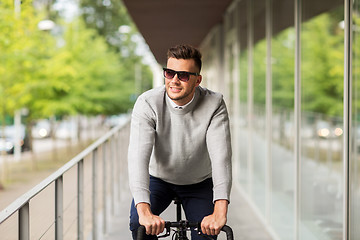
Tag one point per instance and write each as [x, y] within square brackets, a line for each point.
[355, 68]
[112, 21]
[23, 50]
[283, 49]
[84, 76]
[322, 65]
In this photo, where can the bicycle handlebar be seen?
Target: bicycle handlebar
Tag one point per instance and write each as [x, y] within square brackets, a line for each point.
[185, 224]
[228, 231]
[140, 232]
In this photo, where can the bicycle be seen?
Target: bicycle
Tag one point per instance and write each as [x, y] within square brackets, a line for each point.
[181, 227]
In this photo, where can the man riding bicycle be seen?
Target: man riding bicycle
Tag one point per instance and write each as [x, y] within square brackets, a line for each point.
[180, 146]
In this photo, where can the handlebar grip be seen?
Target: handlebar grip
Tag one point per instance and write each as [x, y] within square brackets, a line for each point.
[228, 231]
[167, 224]
[141, 232]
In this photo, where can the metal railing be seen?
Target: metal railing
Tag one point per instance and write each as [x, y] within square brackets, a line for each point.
[101, 165]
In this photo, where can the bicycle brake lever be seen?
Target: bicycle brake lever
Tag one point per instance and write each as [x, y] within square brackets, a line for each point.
[167, 232]
[165, 235]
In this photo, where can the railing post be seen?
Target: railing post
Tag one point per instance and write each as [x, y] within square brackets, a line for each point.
[24, 230]
[104, 186]
[59, 208]
[80, 207]
[94, 194]
[118, 169]
[112, 186]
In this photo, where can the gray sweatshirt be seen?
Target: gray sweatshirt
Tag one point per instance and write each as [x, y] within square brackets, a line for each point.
[179, 146]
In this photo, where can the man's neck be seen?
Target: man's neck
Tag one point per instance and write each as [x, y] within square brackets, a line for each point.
[177, 104]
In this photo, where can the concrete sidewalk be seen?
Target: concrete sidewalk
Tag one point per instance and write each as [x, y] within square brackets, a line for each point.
[241, 218]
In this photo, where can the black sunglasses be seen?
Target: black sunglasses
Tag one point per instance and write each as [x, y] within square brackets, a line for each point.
[182, 75]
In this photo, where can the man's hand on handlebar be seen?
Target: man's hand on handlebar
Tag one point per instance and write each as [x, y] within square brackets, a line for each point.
[154, 224]
[212, 224]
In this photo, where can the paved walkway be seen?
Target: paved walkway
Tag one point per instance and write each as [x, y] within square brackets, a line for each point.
[241, 218]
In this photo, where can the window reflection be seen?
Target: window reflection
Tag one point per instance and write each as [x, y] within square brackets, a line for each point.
[283, 124]
[259, 112]
[243, 123]
[321, 191]
[355, 131]
[243, 176]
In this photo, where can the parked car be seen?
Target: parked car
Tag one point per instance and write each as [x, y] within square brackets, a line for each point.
[41, 129]
[7, 139]
[327, 130]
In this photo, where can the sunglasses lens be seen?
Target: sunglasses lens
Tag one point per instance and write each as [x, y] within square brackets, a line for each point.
[169, 73]
[184, 76]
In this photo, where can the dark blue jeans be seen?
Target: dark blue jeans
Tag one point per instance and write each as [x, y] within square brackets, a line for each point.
[197, 202]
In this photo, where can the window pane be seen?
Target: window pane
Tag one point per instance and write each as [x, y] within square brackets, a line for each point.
[283, 124]
[355, 140]
[243, 92]
[322, 48]
[259, 113]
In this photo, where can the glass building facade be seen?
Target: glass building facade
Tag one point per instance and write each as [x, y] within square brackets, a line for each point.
[290, 71]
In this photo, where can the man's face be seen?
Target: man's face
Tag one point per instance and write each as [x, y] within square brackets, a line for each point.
[178, 91]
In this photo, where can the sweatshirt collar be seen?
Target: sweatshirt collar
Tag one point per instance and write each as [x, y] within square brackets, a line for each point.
[174, 105]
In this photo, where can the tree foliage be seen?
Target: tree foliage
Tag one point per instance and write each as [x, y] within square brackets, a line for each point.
[356, 62]
[111, 20]
[69, 70]
[322, 70]
[86, 76]
[22, 51]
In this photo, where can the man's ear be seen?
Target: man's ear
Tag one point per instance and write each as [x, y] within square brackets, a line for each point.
[198, 81]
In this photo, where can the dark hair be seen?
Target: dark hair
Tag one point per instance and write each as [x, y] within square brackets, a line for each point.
[185, 52]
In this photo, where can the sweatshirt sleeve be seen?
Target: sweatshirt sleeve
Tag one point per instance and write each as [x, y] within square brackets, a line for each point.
[218, 141]
[141, 143]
